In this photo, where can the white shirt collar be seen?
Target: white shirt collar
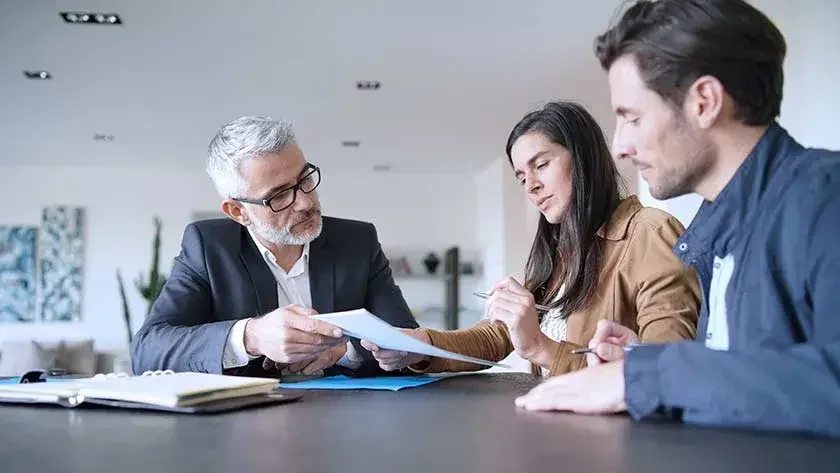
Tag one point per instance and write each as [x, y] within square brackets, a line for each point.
[269, 258]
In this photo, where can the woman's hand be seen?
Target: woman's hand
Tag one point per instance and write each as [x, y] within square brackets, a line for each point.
[391, 360]
[513, 305]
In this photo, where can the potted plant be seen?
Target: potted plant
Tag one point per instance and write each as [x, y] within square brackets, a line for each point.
[150, 289]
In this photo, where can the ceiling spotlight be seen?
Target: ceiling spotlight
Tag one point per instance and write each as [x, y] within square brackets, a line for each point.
[37, 75]
[78, 17]
[351, 144]
[368, 85]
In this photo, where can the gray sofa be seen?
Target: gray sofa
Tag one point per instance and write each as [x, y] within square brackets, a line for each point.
[77, 357]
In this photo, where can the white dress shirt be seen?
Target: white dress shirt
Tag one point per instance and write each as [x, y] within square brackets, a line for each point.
[292, 288]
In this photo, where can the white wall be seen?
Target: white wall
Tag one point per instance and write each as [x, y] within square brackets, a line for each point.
[684, 208]
[811, 96]
[409, 211]
[416, 210]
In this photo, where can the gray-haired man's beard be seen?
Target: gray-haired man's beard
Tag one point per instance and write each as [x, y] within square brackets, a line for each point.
[284, 236]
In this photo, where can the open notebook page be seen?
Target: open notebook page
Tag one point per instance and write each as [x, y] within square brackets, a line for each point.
[170, 390]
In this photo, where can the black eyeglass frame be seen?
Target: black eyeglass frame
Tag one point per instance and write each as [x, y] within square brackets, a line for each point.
[310, 169]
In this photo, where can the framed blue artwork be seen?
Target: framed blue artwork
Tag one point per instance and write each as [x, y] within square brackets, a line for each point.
[60, 262]
[17, 273]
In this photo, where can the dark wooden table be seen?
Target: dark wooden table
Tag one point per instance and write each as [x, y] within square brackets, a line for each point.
[464, 424]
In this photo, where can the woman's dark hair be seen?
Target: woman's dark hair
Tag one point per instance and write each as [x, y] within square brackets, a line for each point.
[569, 250]
[675, 42]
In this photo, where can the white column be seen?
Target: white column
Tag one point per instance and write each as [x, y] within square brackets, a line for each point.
[505, 229]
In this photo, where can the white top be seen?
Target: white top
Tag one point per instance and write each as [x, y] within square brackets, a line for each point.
[292, 288]
[553, 325]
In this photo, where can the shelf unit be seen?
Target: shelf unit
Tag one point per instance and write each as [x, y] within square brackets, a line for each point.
[449, 281]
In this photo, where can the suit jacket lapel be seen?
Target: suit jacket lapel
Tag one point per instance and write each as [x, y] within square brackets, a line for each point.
[265, 286]
[321, 275]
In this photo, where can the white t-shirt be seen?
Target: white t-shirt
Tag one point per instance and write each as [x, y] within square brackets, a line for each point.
[717, 332]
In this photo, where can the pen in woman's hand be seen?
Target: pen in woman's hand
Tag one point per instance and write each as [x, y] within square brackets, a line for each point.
[539, 307]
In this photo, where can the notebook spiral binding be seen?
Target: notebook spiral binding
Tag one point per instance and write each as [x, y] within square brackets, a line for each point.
[126, 375]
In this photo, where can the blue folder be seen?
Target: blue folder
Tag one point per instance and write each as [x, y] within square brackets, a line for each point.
[383, 383]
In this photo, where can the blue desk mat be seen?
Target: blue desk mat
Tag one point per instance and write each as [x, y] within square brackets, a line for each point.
[383, 383]
[16, 380]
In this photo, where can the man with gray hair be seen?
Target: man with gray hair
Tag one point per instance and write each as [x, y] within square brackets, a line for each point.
[242, 292]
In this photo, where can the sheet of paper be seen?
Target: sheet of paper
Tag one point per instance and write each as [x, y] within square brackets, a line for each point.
[362, 324]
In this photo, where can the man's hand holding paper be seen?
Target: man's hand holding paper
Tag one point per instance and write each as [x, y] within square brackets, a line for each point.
[292, 334]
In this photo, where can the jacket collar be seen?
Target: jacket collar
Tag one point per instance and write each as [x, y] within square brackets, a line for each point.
[720, 224]
[322, 272]
[616, 227]
[265, 286]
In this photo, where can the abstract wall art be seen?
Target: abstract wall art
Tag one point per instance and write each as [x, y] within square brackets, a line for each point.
[61, 261]
[17, 273]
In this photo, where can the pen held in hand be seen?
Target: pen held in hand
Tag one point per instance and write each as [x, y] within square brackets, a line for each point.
[539, 307]
[583, 351]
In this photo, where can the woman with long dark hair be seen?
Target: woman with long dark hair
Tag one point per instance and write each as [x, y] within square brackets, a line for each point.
[595, 257]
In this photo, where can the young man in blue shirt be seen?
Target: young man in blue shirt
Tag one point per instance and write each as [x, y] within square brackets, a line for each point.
[696, 86]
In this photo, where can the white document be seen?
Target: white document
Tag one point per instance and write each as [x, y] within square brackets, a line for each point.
[362, 324]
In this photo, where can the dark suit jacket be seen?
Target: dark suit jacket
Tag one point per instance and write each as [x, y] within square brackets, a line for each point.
[220, 277]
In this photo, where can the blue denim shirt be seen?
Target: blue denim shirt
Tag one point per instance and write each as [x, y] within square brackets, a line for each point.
[779, 220]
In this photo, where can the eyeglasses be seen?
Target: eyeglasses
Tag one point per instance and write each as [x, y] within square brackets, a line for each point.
[285, 198]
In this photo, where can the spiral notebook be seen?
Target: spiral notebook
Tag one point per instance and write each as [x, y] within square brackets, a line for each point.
[167, 391]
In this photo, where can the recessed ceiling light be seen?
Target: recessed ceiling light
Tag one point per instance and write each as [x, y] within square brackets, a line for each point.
[37, 75]
[351, 144]
[382, 167]
[103, 137]
[91, 18]
[368, 85]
